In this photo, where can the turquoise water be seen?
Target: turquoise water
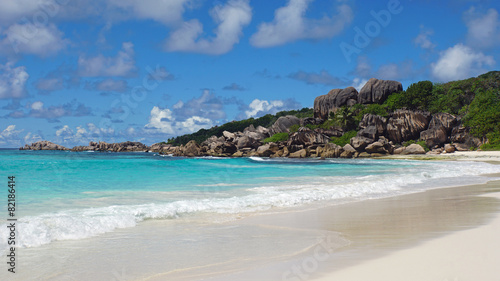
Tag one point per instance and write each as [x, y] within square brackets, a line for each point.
[65, 195]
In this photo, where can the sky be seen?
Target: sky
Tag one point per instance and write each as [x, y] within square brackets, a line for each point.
[74, 71]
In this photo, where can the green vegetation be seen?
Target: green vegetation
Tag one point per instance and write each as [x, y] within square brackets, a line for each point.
[276, 138]
[493, 142]
[422, 144]
[476, 100]
[483, 116]
[235, 126]
[345, 118]
[344, 139]
[375, 108]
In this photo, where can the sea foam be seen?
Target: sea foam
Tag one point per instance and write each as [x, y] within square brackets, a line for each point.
[42, 229]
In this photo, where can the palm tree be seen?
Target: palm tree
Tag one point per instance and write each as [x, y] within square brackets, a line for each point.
[344, 117]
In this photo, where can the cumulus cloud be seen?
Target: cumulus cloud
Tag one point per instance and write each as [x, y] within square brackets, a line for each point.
[323, 77]
[290, 24]
[28, 38]
[12, 81]
[195, 123]
[32, 137]
[422, 40]
[483, 29]
[122, 65]
[259, 107]
[83, 134]
[188, 116]
[233, 87]
[460, 62]
[231, 18]
[10, 136]
[161, 120]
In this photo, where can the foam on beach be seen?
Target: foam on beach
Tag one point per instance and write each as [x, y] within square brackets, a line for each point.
[412, 176]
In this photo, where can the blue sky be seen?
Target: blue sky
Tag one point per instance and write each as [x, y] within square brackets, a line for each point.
[74, 71]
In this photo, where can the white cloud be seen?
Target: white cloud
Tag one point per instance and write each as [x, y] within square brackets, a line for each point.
[259, 107]
[231, 18]
[10, 136]
[460, 62]
[32, 137]
[122, 65]
[422, 40]
[65, 132]
[195, 123]
[160, 120]
[483, 29]
[12, 81]
[290, 24]
[178, 105]
[83, 135]
[28, 38]
[37, 105]
[358, 83]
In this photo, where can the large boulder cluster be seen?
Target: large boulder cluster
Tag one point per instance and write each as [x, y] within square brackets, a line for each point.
[377, 135]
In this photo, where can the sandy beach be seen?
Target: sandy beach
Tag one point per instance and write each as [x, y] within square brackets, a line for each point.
[446, 234]
[463, 255]
[470, 254]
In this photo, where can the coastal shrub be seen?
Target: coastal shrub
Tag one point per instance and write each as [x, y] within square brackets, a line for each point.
[374, 108]
[421, 143]
[345, 118]
[294, 128]
[327, 125]
[238, 126]
[344, 139]
[493, 142]
[276, 138]
[418, 95]
[483, 116]
[395, 101]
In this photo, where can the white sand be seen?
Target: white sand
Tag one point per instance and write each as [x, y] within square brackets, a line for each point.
[464, 255]
[485, 156]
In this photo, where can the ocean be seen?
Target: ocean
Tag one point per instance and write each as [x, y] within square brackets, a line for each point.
[70, 200]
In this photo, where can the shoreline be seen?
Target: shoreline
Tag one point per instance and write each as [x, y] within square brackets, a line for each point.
[469, 254]
[262, 246]
[380, 229]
